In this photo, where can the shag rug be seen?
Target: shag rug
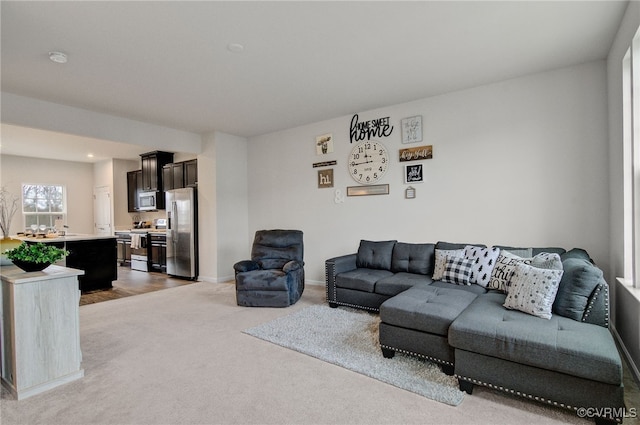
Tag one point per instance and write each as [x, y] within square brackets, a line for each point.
[349, 338]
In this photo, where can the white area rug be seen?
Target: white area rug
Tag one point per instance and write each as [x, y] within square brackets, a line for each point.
[349, 338]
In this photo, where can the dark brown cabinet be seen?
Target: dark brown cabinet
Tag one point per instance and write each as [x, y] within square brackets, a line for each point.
[191, 173]
[152, 163]
[158, 253]
[180, 174]
[134, 185]
[173, 176]
[152, 178]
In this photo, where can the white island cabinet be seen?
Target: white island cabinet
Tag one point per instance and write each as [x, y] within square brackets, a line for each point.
[40, 329]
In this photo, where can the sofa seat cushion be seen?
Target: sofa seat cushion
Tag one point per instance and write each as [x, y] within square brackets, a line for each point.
[425, 308]
[558, 344]
[393, 285]
[361, 279]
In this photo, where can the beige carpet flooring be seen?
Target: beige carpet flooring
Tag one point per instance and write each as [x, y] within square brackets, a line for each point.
[178, 356]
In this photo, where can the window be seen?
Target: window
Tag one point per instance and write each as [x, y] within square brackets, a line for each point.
[631, 154]
[43, 204]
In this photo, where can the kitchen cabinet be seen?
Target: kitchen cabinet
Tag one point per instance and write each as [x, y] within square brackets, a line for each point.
[97, 256]
[191, 173]
[134, 185]
[124, 248]
[178, 175]
[158, 252]
[152, 164]
[173, 176]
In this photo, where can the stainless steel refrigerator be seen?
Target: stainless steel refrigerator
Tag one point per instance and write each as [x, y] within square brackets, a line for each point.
[182, 233]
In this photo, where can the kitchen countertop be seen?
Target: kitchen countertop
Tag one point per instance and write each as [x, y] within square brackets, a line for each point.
[68, 238]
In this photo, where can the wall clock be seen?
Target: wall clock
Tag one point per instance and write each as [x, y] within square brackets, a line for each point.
[368, 162]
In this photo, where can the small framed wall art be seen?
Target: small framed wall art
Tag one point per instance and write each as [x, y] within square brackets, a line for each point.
[325, 178]
[324, 144]
[372, 189]
[411, 129]
[413, 173]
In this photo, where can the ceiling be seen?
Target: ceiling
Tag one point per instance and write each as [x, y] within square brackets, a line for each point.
[169, 63]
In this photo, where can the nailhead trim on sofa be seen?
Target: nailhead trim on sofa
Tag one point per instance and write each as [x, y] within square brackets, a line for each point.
[411, 353]
[521, 394]
[593, 300]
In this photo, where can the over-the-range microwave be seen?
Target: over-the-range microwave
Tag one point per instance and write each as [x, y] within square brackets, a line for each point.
[147, 201]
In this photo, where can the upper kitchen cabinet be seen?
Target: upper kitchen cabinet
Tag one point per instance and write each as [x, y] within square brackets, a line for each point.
[152, 164]
[191, 173]
[180, 174]
[173, 176]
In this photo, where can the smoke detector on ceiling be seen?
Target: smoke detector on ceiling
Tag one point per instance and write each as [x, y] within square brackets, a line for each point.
[58, 57]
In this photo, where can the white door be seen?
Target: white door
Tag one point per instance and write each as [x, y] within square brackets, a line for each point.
[102, 211]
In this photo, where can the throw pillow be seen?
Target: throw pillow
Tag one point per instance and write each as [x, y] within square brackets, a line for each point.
[375, 255]
[547, 260]
[533, 290]
[506, 263]
[578, 282]
[458, 271]
[484, 260]
[441, 259]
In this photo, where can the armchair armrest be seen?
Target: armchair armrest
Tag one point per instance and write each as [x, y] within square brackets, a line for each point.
[291, 266]
[246, 266]
[332, 267]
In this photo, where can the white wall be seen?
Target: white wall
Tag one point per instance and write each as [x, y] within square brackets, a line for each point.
[521, 162]
[222, 205]
[121, 218]
[625, 306]
[77, 177]
[29, 112]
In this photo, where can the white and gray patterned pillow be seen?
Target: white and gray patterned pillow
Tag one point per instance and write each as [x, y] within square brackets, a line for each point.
[506, 263]
[484, 260]
[441, 259]
[533, 290]
[458, 271]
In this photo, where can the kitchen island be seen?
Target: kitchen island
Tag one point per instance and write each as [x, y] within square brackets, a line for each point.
[96, 255]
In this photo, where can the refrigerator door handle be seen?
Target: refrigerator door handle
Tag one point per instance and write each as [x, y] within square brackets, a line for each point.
[174, 233]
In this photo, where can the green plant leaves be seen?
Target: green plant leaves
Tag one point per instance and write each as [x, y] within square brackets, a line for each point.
[36, 253]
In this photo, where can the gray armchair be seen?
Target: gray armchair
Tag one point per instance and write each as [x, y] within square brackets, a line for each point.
[274, 277]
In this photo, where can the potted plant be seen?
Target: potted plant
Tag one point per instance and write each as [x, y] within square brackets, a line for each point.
[32, 257]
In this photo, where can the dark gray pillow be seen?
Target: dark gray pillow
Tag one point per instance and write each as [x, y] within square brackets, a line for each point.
[413, 258]
[450, 246]
[576, 253]
[375, 255]
[579, 280]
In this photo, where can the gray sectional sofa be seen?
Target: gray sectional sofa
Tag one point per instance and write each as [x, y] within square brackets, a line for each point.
[531, 322]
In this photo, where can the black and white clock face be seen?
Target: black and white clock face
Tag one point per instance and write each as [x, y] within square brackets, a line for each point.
[368, 162]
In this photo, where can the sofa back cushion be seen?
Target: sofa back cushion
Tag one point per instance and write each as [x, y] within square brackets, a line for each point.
[579, 281]
[413, 258]
[375, 254]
